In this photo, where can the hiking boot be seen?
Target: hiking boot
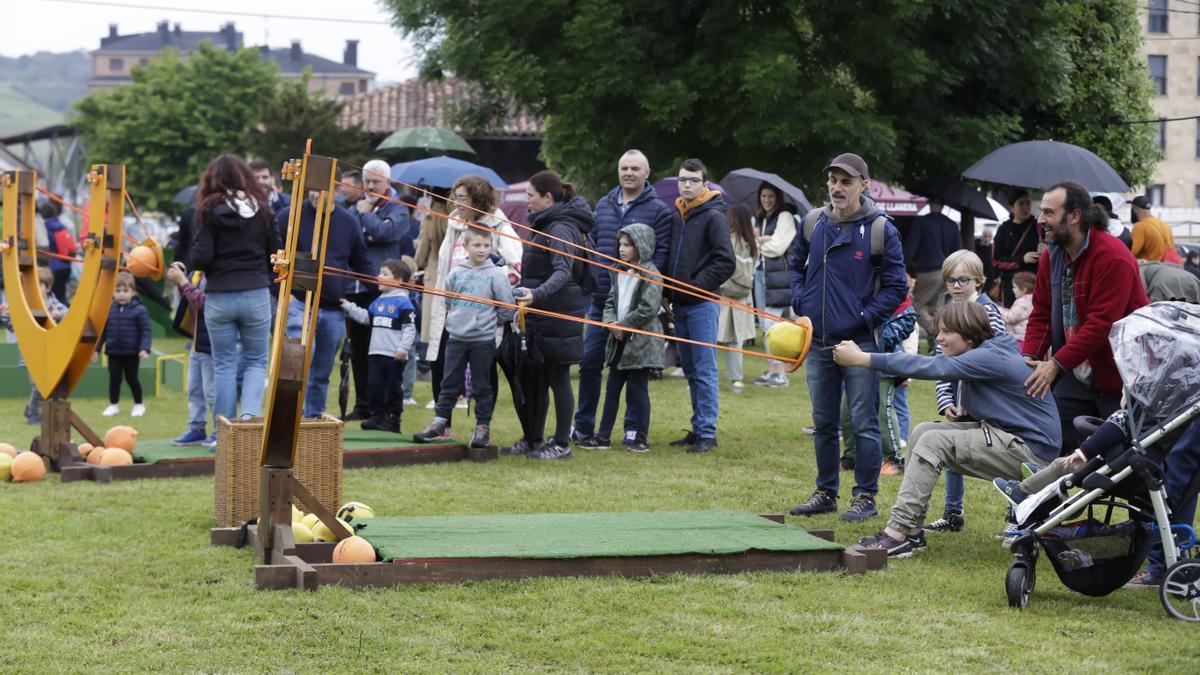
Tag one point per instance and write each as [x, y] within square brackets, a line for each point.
[594, 443]
[820, 502]
[689, 439]
[703, 445]
[862, 507]
[551, 450]
[894, 547]
[891, 467]
[372, 423]
[952, 520]
[190, 437]
[481, 438]
[1011, 490]
[521, 447]
[1144, 579]
[435, 432]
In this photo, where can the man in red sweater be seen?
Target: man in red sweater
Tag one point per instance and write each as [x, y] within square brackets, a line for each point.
[1086, 281]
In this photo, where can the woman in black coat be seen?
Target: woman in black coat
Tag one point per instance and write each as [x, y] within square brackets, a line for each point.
[554, 282]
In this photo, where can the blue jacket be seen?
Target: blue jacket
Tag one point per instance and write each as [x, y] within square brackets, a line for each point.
[344, 249]
[127, 330]
[993, 389]
[645, 208]
[833, 277]
[384, 228]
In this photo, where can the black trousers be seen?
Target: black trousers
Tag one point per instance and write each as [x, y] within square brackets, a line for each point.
[59, 289]
[386, 384]
[558, 378]
[481, 356]
[123, 367]
[1075, 398]
[359, 337]
[437, 371]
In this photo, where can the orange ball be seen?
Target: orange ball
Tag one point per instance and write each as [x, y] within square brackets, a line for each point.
[143, 261]
[354, 550]
[85, 449]
[121, 437]
[116, 457]
[28, 467]
[95, 455]
[8, 449]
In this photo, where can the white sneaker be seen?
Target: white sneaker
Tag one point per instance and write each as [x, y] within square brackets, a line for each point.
[678, 372]
[138, 410]
[462, 403]
[410, 401]
[431, 405]
[111, 410]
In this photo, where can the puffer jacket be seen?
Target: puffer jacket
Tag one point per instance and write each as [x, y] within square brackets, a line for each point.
[639, 351]
[127, 330]
[645, 208]
[554, 279]
[781, 227]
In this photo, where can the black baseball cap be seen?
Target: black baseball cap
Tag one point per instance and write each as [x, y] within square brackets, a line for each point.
[1141, 202]
[851, 164]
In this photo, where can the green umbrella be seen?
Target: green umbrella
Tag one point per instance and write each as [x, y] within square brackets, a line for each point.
[433, 139]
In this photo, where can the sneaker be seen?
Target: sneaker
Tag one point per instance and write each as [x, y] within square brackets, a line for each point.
[1010, 489]
[891, 467]
[431, 405]
[461, 404]
[861, 508]
[895, 548]
[689, 439]
[390, 423]
[778, 381]
[636, 446]
[410, 401]
[521, 447]
[678, 372]
[111, 410]
[1144, 579]
[809, 429]
[594, 443]
[820, 502]
[481, 438]
[373, 422]
[551, 450]
[435, 432]
[211, 441]
[138, 410]
[765, 378]
[951, 521]
[190, 437]
[737, 386]
[703, 445]
[847, 463]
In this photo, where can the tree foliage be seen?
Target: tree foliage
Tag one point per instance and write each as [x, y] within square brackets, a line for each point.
[295, 114]
[918, 87]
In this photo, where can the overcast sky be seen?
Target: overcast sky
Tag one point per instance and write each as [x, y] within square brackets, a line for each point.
[50, 25]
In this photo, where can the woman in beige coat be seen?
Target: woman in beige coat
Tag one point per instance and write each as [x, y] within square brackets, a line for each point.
[433, 231]
[736, 326]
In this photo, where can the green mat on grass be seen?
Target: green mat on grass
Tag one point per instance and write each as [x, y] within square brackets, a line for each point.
[358, 439]
[583, 535]
[157, 450]
[352, 439]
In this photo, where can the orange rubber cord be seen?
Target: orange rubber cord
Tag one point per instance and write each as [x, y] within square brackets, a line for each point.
[125, 235]
[396, 283]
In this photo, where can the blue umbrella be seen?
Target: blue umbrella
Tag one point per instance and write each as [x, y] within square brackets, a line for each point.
[442, 171]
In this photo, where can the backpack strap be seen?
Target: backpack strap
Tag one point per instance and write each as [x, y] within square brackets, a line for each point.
[878, 238]
[810, 223]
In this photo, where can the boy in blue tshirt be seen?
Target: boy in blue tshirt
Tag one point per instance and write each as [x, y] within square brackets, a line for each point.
[393, 331]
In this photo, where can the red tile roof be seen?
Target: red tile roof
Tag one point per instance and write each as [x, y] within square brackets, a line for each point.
[426, 104]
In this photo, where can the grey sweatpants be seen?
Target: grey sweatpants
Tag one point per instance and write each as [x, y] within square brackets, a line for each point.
[970, 448]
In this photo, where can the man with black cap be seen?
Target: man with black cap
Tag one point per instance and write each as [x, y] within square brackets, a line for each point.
[848, 277]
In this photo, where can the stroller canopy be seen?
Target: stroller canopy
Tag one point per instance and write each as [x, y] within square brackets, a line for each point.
[1157, 350]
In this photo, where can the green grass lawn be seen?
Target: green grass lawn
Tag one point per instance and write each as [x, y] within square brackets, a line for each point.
[121, 577]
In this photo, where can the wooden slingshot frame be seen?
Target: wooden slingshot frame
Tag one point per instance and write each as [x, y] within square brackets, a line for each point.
[58, 352]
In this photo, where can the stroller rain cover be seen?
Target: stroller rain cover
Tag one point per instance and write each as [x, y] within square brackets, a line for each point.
[1157, 351]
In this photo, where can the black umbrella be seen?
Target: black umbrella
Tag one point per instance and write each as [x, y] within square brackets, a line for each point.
[956, 193]
[344, 381]
[186, 196]
[741, 185]
[523, 364]
[1040, 164]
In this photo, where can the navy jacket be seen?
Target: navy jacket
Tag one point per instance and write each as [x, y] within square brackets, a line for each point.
[645, 208]
[383, 229]
[833, 277]
[933, 237]
[127, 330]
[701, 254]
[344, 249]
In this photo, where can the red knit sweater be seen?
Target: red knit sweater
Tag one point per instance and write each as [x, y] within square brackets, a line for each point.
[1107, 288]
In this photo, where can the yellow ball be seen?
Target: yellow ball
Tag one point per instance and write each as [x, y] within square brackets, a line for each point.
[301, 533]
[322, 532]
[790, 340]
[5, 467]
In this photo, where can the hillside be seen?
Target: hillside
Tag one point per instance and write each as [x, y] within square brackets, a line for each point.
[19, 113]
[53, 81]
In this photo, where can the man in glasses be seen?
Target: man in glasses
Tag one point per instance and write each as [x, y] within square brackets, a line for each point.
[848, 277]
[700, 255]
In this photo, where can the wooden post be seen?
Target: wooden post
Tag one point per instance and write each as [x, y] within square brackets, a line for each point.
[275, 500]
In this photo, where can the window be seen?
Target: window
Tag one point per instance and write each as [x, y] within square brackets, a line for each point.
[1158, 71]
[1157, 16]
[1155, 195]
[142, 62]
[1198, 76]
[1197, 139]
[116, 65]
[1198, 196]
[1160, 139]
[346, 89]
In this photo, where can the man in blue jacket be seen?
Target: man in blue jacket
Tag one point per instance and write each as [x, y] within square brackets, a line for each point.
[848, 277]
[384, 222]
[701, 255]
[344, 249]
[632, 201]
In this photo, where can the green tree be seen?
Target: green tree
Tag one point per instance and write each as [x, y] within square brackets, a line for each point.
[177, 115]
[917, 87]
[295, 114]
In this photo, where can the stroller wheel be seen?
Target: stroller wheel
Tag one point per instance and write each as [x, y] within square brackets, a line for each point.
[1018, 583]
[1180, 590]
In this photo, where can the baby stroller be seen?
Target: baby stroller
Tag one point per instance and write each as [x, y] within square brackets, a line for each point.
[1097, 524]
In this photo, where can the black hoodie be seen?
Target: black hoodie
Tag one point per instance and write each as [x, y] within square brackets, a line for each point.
[555, 279]
[233, 251]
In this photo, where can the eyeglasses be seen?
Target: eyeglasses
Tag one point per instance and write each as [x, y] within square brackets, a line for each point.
[959, 281]
[689, 181]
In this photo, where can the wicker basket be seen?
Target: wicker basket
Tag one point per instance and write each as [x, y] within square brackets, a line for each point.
[237, 475]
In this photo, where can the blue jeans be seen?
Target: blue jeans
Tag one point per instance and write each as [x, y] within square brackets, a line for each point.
[591, 372]
[331, 328]
[956, 489]
[234, 317]
[826, 381]
[901, 403]
[699, 322]
[201, 394]
[1181, 465]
